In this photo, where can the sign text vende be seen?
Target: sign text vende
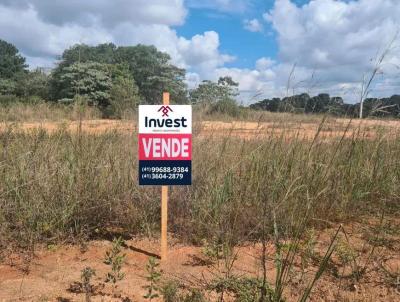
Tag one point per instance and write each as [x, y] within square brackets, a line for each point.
[165, 146]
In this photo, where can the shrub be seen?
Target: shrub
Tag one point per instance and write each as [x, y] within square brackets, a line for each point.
[226, 106]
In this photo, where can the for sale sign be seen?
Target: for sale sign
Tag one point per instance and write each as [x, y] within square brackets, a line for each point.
[165, 145]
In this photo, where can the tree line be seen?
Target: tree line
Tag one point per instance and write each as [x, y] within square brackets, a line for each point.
[324, 104]
[110, 77]
[114, 78]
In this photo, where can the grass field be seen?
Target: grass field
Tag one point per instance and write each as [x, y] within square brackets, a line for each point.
[276, 200]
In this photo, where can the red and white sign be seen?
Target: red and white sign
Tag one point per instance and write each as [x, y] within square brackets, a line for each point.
[165, 144]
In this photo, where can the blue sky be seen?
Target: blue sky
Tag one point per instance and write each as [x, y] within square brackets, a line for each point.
[235, 40]
[333, 44]
[245, 45]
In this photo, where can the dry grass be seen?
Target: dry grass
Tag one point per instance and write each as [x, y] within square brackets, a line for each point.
[42, 111]
[62, 185]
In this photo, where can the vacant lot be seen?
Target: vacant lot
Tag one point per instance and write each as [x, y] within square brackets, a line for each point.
[274, 206]
[305, 127]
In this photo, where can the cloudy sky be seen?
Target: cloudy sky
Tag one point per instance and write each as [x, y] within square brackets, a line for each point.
[266, 45]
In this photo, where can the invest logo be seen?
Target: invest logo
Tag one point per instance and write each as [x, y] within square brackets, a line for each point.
[165, 110]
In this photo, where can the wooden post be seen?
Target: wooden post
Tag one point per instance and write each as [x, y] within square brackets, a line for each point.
[164, 206]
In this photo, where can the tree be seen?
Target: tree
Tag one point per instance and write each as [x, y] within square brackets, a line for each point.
[153, 73]
[79, 53]
[210, 92]
[7, 87]
[217, 97]
[150, 69]
[227, 82]
[33, 83]
[273, 105]
[11, 62]
[109, 86]
[303, 103]
[12, 68]
[91, 80]
[124, 93]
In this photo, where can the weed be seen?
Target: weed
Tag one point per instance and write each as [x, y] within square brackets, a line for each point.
[308, 248]
[170, 291]
[214, 250]
[153, 279]
[243, 289]
[380, 235]
[321, 268]
[345, 253]
[194, 295]
[86, 276]
[115, 259]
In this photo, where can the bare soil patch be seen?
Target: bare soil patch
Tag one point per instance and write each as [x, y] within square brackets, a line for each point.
[53, 274]
[332, 128]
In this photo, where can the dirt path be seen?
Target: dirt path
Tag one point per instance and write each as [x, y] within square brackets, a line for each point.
[332, 128]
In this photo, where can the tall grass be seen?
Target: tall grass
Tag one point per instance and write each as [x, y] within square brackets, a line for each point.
[38, 110]
[63, 186]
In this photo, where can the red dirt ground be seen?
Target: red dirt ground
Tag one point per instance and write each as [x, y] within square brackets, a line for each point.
[52, 271]
[332, 127]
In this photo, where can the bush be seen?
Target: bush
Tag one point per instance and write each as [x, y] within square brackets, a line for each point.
[124, 97]
[226, 106]
[7, 87]
[6, 100]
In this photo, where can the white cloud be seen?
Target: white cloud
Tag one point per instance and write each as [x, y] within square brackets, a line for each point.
[199, 54]
[108, 13]
[202, 51]
[253, 25]
[228, 6]
[264, 63]
[192, 79]
[43, 29]
[337, 40]
[41, 40]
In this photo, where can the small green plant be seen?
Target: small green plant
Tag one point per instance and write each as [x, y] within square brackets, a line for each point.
[381, 235]
[115, 259]
[244, 289]
[345, 252]
[307, 250]
[86, 276]
[212, 250]
[194, 295]
[215, 250]
[321, 268]
[348, 257]
[170, 291]
[153, 278]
